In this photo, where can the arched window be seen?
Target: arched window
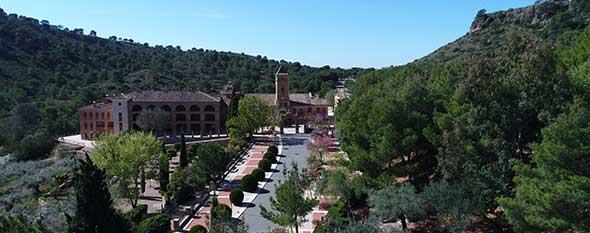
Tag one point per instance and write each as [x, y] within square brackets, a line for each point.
[166, 108]
[209, 108]
[137, 108]
[180, 108]
[195, 108]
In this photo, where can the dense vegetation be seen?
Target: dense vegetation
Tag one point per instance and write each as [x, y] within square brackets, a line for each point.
[60, 70]
[502, 129]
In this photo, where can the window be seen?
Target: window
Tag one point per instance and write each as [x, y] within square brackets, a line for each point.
[102, 115]
[166, 108]
[308, 109]
[108, 115]
[180, 108]
[209, 108]
[96, 114]
[134, 116]
[110, 124]
[317, 110]
[84, 116]
[181, 117]
[85, 126]
[136, 108]
[210, 127]
[209, 117]
[195, 117]
[324, 110]
[195, 108]
[90, 116]
[91, 126]
[99, 124]
[120, 116]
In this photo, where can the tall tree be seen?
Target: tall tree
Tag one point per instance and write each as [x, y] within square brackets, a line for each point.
[553, 193]
[164, 171]
[125, 157]
[94, 209]
[183, 153]
[290, 205]
[210, 160]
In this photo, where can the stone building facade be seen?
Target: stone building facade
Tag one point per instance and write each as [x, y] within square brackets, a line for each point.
[195, 113]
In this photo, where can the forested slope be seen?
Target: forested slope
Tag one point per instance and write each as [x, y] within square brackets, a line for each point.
[59, 70]
[461, 118]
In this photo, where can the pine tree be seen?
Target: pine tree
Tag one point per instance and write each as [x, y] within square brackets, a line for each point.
[94, 211]
[183, 155]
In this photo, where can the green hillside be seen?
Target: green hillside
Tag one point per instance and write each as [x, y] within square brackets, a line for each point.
[483, 127]
[60, 69]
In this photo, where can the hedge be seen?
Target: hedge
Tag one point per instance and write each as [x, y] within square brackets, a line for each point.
[198, 229]
[236, 197]
[221, 212]
[273, 149]
[155, 224]
[265, 164]
[249, 183]
[270, 156]
[259, 174]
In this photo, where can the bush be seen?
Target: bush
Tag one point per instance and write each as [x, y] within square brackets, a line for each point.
[270, 156]
[236, 197]
[136, 214]
[319, 229]
[259, 174]
[155, 224]
[249, 183]
[221, 213]
[273, 149]
[337, 213]
[198, 229]
[265, 164]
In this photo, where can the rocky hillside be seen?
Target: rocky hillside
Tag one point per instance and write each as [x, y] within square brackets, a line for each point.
[543, 21]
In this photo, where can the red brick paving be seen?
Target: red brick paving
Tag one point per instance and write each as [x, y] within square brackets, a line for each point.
[253, 163]
[248, 170]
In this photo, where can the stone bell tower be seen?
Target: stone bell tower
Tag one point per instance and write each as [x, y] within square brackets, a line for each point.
[282, 89]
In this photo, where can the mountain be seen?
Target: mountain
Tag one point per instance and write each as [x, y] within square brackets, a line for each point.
[52, 65]
[491, 32]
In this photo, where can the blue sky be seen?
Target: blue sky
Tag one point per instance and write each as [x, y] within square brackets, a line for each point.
[343, 33]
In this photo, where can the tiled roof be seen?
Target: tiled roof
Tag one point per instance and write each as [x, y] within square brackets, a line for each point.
[171, 96]
[307, 99]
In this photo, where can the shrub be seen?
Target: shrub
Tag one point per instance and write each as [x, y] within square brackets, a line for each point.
[265, 164]
[273, 149]
[337, 213]
[249, 183]
[270, 156]
[319, 229]
[236, 197]
[198, 229]
[136, 214]
[220, 213]
[155, 224]
[259, 174]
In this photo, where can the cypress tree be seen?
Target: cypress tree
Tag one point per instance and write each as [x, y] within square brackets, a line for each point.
[94, 211]
[183, 156]
[164, 170]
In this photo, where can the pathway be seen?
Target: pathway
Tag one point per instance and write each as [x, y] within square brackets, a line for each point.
[293, 150]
